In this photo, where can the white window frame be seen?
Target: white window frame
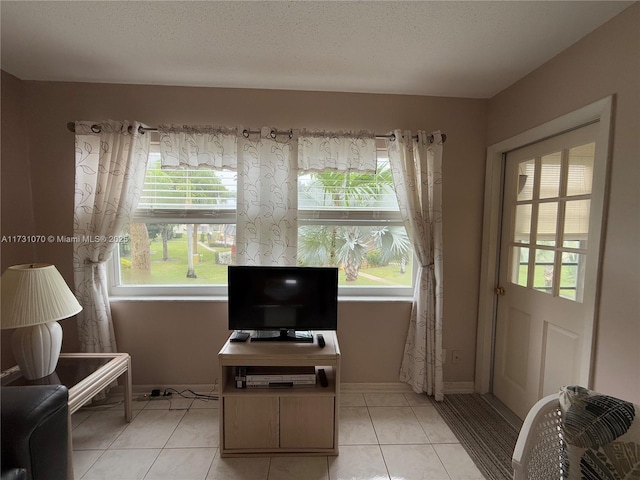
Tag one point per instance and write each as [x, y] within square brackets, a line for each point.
[365, 218]
[228, 216]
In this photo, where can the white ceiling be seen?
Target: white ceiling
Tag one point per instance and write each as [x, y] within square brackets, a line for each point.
[451, 48]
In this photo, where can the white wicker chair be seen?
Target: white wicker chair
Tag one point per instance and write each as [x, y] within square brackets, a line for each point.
[539, 451]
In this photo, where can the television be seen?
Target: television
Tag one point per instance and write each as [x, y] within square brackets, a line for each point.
[282, 303]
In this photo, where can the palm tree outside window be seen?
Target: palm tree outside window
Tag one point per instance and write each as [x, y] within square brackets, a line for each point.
[183, 234]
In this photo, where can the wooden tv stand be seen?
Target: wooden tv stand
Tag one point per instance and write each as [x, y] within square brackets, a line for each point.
[259, 421]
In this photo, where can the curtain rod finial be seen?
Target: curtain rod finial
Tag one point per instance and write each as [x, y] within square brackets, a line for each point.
[71, 126]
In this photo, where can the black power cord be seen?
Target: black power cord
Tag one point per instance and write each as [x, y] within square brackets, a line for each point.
[197, 396]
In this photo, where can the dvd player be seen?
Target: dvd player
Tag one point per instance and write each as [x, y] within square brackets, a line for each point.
[275, 377]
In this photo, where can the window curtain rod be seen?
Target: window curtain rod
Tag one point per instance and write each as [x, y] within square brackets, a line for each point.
[96, 129]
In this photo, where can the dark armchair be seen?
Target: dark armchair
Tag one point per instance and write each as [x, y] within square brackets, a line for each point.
[35, 432]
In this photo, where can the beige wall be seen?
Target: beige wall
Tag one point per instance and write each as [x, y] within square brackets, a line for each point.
[17, 207]
[176, 342]
[15, 196]
[605, 62]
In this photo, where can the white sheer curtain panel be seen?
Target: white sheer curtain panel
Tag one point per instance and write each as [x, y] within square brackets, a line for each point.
[416, 166]
[340, 151]
[267, 164]
[195, 146]
[267, 212]
[110, 166]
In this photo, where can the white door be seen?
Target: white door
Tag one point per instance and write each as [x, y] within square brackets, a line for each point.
[549, 253]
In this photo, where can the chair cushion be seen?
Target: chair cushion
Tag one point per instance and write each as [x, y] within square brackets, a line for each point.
[602, 436]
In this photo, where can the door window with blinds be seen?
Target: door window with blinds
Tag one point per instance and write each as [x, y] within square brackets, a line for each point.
[184, 229]
[551, 215]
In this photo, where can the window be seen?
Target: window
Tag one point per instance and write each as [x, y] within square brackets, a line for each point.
[551, 222]
[352, 221]
[183, 234]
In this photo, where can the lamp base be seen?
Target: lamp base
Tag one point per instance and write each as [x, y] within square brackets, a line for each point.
[37, 348]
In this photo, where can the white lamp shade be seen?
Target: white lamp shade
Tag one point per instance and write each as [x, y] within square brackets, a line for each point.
[33, 294]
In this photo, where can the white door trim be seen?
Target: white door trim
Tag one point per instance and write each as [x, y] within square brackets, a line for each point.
[601, 111]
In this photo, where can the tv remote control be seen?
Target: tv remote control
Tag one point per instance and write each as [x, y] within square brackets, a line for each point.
[239, 336]
[323, 377]
[321, 343]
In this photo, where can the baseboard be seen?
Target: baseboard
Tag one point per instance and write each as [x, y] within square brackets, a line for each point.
[399, 387]
[459, 387]
[390, 387]
[347, 387]
[203, 388]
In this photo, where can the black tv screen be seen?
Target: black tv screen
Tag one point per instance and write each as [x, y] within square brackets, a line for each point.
[282, 299]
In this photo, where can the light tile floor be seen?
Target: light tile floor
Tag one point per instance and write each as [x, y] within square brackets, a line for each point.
[382, 436]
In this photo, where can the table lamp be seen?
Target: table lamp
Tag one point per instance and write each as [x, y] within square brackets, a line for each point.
[34, 297]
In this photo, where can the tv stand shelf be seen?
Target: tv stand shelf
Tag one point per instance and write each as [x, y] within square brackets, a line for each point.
[289, 420]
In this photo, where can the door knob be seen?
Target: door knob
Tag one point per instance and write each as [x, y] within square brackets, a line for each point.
[500, 291]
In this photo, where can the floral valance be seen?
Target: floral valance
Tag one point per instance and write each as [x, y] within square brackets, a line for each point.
[340, 151]
[193, 147]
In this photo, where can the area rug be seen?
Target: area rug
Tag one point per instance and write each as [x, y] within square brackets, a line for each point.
[482, 431]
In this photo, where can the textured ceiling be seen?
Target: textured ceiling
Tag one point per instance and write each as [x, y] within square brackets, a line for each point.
[462, 49]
